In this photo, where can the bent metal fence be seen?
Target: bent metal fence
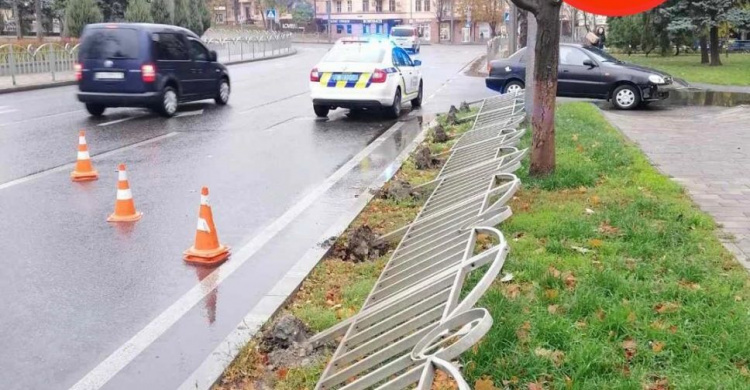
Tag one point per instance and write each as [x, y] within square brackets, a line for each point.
[418, 317]
[54, 61]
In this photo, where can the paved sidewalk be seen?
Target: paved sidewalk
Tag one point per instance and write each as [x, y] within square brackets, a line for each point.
[707, 150]
[722, 88]
[35, 80]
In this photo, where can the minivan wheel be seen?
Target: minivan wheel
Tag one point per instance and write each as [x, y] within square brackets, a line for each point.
[417, 102]
[626, 97]
[321, 111]
[395, 109]
[513, 86]
[168, 105]
[222, 94]
[95, 109]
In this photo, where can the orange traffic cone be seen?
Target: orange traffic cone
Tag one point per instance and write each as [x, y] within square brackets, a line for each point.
[207, 249]
[124, 205]
[84, 171]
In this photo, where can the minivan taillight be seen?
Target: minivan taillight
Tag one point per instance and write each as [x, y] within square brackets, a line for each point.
[79, 71]
[148, 73]
[378, 76]
[314, 75]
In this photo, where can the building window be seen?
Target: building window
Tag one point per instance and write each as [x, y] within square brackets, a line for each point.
[426, 5]
[365, 6]
[339, 29]
[378, 5]
[328, 6]
[338, 7]
[392, 5]
[348, 28]
[349, 6]
[418, 6]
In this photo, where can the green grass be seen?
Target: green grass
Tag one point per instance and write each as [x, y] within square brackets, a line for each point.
[656, 301]
[734, 71]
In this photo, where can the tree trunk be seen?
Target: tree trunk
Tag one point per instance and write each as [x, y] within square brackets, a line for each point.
[38, 11]
[545, 88]
[704, 48]
[523, 20]
[17, 17]
[714, 51]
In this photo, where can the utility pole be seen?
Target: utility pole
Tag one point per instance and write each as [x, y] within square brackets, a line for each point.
[513, 29]
[450, 33]
[328, 11]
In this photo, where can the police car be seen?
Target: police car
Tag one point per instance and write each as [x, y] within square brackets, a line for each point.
[361, 73]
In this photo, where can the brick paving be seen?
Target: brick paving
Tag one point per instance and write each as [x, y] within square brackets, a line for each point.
[707, 150]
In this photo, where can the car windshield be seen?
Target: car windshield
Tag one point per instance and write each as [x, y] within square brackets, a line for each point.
[110, 43]
[355, 52]
[601, 55]
[402, 32]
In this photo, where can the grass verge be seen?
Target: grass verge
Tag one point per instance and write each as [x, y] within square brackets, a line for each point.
[734, 70]
[335, 289]
[619, 281]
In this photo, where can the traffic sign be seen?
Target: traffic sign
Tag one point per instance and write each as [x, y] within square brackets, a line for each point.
[271, 13]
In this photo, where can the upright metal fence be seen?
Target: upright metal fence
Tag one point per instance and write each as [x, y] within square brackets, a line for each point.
[50, 59]
[418, 317]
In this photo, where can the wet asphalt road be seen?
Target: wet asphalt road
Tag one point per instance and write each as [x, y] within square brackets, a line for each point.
[75, 288]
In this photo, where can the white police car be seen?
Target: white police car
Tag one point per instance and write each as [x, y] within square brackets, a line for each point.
[361, 73]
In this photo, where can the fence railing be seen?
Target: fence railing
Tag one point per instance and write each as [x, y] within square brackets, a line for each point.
[49, 60]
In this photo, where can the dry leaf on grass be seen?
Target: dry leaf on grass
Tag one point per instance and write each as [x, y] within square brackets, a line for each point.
[630, 347]
[554, 272]
[689, 285]
[657, 384]
[281, 372]
[631, 317]
[443, 381]
[574, 137]
[512, 381]
[600, 315]
[535, 386]
[657, 346]
[551, 294]
[666, 307]
[606, 228]
[557, 357]
[512, 291]
[523, 332]
[570, 280]
[552, 309]
[595, 200]
[589, 211]
[484, 384]
[596, 243]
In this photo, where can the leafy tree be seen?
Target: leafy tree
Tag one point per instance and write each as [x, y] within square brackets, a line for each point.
[160, 12]
[138, 11]
[182, 13]
[79, 13]
[302, 13]
[195, 19]
[489, 11]
[205, 16]
[625, 32]
[112, 10]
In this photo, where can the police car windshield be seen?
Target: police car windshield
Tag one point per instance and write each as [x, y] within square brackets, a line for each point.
[402, 32]
[355, 52]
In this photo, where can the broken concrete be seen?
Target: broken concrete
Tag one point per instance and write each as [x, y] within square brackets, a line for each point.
[423, 159]
[362, 245]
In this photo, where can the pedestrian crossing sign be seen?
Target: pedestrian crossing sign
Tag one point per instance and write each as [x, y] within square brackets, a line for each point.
[271, 13]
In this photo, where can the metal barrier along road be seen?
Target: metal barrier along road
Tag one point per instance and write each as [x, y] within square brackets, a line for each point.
[251, 47]
[417, 318]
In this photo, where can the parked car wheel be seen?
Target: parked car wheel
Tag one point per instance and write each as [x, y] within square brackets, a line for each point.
[222, 93]
[95, 109]
[395, 109]
[513, 86]
[417, 102]
[168, 105]
[626, 97]
[321, 111]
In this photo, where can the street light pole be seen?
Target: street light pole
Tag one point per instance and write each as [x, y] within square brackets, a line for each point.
[328, 11]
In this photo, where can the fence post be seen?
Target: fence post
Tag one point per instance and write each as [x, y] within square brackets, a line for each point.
[12, 64]
[242, 51]
[52, 60]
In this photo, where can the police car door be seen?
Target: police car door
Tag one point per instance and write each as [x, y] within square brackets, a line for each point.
[406, 70]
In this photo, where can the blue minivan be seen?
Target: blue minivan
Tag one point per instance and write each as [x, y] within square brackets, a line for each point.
[146, 65]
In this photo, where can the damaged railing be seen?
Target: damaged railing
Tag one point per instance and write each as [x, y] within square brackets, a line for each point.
[418, 318]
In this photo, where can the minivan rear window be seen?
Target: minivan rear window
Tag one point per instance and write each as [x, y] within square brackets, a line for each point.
[402, 32]
[110, 43]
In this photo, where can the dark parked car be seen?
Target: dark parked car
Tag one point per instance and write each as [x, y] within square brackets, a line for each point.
[146, 65]
[588, 72]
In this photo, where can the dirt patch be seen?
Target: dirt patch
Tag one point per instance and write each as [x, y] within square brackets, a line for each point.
[362, 245]
[399, 190]
[423, 159]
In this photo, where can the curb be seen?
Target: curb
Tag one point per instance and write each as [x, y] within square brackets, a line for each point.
[213, 367]
[25, 88]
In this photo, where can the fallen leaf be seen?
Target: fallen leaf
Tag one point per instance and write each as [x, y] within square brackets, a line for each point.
[525, 206]
[673, 329]
[554, 272]
[552, 309]
[596, 243]
[580, 249]
[512, 291]
[281, 372]
[744, 371]
[606, 228]
[513, 381]
[657, 384]
[581, 324]
[631, 317]
[657, 346]
[600, 314]
[484, 384]
[631, 264]
[568, 383]
[737, 298]
[630, 347]
[570, 279]
[689, 285]
[443, 381]
[523, 332]
[589, 211]
[535, 386]
[557, 357]
[551, 294]
[575, 137]
[595, 200]
[582, 189]
[666, 307]
[579, 148]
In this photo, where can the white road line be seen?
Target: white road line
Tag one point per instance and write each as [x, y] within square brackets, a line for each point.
[120, 358]
[4, 110]
[95, 158]
[117, 121]
[189, 113]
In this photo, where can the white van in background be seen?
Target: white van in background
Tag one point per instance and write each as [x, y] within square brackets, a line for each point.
[406, 37]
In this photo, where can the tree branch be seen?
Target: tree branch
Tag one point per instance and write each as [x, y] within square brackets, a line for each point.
[527, 5]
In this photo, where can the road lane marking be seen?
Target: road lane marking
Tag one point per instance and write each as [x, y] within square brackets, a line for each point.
[117, 121]
[96, 157]
[128, 351]
[189, 113]
[273, 101]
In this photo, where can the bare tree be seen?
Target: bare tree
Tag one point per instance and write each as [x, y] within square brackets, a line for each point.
[489, 11]
[17, 17]
[547, 53]
[39, 16]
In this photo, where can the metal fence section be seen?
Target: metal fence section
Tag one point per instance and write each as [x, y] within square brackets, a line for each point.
[51, 59]
[418, 317]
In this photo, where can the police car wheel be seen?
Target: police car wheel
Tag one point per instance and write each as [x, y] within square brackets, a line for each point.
[395, 110]
[321, 111]
[417, 102]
